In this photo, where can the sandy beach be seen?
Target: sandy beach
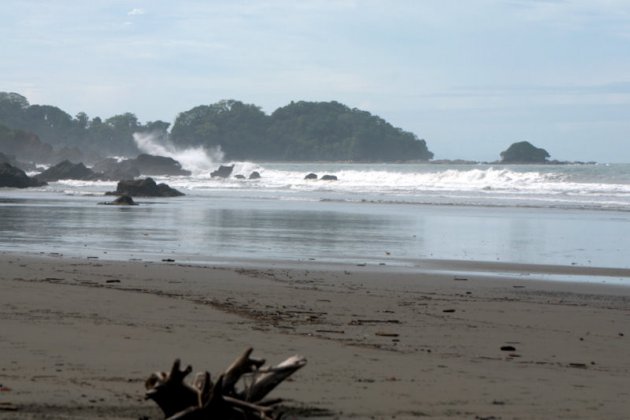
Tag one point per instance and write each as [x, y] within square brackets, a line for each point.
[78, 337]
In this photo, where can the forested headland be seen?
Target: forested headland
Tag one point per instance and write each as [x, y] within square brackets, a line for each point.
[300, 131]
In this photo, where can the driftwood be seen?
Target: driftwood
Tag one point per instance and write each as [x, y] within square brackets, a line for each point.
[223, 399]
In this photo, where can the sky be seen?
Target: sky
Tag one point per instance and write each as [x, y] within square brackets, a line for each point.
[470, 77]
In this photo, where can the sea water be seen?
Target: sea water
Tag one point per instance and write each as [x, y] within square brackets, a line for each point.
[395, 214]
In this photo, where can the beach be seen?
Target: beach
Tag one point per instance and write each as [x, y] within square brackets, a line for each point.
[80, 335]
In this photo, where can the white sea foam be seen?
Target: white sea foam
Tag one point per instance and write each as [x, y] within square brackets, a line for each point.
[195, 159]
[592, 187]
[486, 180]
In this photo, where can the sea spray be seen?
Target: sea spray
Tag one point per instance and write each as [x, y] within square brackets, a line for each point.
[558, 186]
[198, 160]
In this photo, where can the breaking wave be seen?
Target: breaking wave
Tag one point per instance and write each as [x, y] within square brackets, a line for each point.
[195, 159]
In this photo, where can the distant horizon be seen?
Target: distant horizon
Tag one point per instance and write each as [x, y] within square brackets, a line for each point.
[470, 78]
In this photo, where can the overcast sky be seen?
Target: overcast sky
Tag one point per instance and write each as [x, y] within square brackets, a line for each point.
[470, 77]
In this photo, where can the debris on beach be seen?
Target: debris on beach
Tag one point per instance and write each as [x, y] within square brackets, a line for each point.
[8, 406]
[386, 334]
[578, 365]
[223, 398]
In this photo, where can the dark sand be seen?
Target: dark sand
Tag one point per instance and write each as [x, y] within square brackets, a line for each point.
[78, 337]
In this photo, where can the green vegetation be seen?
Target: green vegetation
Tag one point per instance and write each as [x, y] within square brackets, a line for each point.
[55, 127]
[301, 131]
[524, 152]
[238, 128]
[332, 131]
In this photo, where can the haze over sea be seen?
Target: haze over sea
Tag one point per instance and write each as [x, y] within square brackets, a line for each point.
[377, 214]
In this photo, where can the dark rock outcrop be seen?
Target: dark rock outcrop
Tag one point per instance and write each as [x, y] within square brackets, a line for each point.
[123, 200]
[11, 160]
[329, 178]
[254, 175]
[144, 164]
[158, 165]
[144, 188]
[13, 177]
[524, 152]
[24, 145]
[67, 170]
[239, 176]
[111, 169]
[311, 176]
[222, 172]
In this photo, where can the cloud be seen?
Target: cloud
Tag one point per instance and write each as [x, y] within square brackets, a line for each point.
[136, 12]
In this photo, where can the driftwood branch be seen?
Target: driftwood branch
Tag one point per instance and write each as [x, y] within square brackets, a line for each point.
[265, 380]
[223, 399]
[242, 365]
[170, 392]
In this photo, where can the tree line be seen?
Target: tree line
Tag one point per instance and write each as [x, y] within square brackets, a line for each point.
[300, 131]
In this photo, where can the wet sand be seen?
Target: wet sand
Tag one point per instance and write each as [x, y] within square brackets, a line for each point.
[79, 336]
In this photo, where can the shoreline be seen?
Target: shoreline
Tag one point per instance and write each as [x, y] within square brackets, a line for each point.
[81, 335]
[499, 270]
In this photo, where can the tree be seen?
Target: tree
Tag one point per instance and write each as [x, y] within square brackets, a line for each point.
[118, 132]
[15, 99]
[81, 120]
[236, 127]
[332, 131]
[12, 106]
[299, 131]
[524, 152]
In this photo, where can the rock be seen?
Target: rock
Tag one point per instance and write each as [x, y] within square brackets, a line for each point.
[311, 176]
[113, 170]
[524, 152]
[158, 165]
[13, 177]
[239, 176]
[67, 170]
[254, 175]
[11, 160]
[24, 145]
[222, 172]
[329, 178]
[145, 164]
[144, 188]
[508, 348]
[123, 200]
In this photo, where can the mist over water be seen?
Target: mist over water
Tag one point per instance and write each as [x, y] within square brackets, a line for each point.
[195, 159]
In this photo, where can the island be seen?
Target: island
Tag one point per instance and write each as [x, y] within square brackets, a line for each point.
[524, 152]
[300, 131]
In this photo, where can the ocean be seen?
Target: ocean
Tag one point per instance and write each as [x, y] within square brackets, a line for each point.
[379, 214]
